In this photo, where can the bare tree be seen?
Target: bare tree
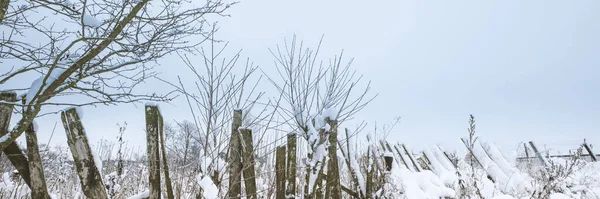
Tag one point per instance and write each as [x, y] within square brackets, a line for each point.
[97, 51]
[309, 89]
[221, 86]
[183, 142]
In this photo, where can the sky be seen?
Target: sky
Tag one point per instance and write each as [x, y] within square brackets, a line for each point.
[527, 70]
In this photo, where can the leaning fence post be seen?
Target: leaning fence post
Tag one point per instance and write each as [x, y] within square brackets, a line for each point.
[589, 150]
[36, 169]
[234, 157]
[152, 150]
[13, 152]
[537, 153]
[411, 159]
[280, 172]
[89, 175]
[168, 183]
[248, 163]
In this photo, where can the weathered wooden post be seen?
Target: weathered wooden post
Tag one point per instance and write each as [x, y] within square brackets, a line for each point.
[537, 153]
[168, 184]
[280, 172]
[389, 160]
[417, 168]
[152, 150]
[589, 150]
[370, 172]
[248, 163]
[36, 169]
[333, 188]
[291, 165]
[38, 181]
[89, 175]
[13, 152]
[234, 157]
[402, 158]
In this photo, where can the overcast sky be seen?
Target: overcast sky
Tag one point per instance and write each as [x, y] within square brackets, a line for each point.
[528, 70]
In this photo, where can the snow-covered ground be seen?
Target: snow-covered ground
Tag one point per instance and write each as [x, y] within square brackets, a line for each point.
[490, 175]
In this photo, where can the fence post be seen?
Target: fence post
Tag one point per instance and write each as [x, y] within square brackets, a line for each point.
[401, 157]
[411, 159]
[537, 153]
[291, 165]
[280, 172]
[89, 175]
[248, 163]
[389, 160]
[13, 152]
[36, 169]
[333, 188]
[168, 184]
[589, 150]
[234, 157]
[152, 131]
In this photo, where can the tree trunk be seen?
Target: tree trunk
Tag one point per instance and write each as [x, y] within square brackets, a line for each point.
[291, 165]
[235, 161]
[13, 152]
[333, 188]
[38, 183]
[248, 163]
[152, 129]
[89, 176]
[280, 173]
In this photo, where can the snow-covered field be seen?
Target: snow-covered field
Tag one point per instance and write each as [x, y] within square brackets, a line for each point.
[436, 175]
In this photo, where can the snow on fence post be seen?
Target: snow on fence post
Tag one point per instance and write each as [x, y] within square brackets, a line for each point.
[333, 188]
[412, 159]
[280, 172]
[248, 163]
[152, 150]
[89, 175]
[291, 165]
[234, 157]
[537, 153]
[389, 160]
[13, 152]
[38, 181]
[168, 183]
[402, 158]
[589, 150]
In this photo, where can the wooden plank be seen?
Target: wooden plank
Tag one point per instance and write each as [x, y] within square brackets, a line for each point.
[291, 165]
[168, 183]
[13, 152]
[537, 153]
[589, 150]
[234, 158]
[333, 187]
[89, 175]
[417, 167]
[38, 181]
[152, 150]
[280, 172]
[248, 163]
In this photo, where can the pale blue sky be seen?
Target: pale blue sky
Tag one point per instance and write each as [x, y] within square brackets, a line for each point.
[528, 70]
